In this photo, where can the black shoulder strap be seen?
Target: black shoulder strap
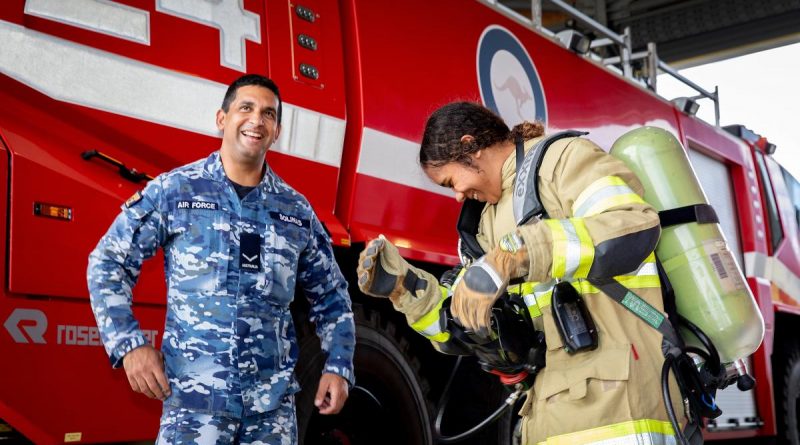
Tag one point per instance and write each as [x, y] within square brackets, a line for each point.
[699, 213]
[467, 226]
[526, 200]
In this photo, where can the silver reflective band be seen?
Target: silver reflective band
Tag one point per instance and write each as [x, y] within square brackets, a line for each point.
[600, 195]
[482, 264]
[573, 254]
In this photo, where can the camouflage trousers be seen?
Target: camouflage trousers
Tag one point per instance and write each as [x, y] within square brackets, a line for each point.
[181, 426]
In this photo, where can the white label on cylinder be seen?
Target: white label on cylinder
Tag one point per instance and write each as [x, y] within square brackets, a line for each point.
[727, 272]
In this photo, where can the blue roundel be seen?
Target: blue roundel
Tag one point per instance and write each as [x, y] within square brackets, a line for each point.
[507, 78]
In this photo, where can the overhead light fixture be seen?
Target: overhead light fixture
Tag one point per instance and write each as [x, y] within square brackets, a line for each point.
[687, 105]
[574, 41]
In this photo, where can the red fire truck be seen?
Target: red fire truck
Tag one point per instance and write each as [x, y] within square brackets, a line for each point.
[96, 95]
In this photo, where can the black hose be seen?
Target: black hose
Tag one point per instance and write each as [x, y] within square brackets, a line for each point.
[437, 425]
[673, 419]
[713, 361]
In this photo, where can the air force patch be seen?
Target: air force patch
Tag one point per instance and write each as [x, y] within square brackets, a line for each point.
[197, 205]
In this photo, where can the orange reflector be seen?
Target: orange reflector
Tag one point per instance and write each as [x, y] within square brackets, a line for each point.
[52, 211]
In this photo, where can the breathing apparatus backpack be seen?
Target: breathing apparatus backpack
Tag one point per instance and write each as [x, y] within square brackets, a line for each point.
[712, 323]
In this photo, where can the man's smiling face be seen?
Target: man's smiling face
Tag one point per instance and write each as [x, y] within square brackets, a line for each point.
[250, 126]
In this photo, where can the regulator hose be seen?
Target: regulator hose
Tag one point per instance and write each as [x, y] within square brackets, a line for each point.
[437, 426]
[713, 364]
[673, 419]
[713, 361]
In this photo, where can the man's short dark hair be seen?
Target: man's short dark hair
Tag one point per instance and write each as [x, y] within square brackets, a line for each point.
[251, 79]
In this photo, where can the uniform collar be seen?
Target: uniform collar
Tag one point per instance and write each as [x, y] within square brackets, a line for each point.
[214, 170]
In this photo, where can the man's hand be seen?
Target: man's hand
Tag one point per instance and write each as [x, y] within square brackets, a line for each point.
[485, 281]
[331, 394]
[145, 369]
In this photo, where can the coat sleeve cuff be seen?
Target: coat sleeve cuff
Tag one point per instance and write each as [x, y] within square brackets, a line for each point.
[125, 346]
[346, 372]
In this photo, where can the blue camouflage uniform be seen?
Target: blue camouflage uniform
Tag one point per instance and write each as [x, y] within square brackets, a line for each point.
[229, 343]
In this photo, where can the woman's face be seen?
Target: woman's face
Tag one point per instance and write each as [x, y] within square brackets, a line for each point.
[477, 181]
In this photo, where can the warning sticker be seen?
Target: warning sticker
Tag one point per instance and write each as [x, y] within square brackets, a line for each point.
[72, 437]
[724, 265]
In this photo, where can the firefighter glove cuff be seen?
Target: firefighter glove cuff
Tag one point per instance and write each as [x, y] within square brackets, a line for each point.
[476, 293]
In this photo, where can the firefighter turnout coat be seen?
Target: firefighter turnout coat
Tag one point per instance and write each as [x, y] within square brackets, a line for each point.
[597, 226]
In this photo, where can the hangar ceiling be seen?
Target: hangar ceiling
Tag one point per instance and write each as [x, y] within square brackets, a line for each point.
[686, 32]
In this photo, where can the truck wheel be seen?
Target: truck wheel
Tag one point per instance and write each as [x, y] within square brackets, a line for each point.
[388, 404]
[788, 391]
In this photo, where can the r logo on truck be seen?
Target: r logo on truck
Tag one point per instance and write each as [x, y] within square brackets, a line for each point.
[507, 78]
[20, 320]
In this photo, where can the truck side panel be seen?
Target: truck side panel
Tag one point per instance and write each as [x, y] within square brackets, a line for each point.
[402, 85]
[140, 82]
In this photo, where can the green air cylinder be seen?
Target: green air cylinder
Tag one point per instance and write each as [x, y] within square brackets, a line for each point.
[710, 289]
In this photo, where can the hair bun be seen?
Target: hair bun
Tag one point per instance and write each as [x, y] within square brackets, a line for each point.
[527, 130]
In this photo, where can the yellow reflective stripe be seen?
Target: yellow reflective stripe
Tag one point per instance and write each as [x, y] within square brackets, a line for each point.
[649, 431]
[559, 247]
[586, 248]
[543, 292]
[642, 282]
[629, 281]
[573, 250]
[645, 277]
[603, 194]
[611, 202]
[441, 337]
[544, 299]
[532, 305]
[429, 324]
[526, 291]
[594, 188]
[584, 287]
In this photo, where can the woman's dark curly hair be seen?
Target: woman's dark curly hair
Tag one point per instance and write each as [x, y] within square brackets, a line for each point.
[441, 142]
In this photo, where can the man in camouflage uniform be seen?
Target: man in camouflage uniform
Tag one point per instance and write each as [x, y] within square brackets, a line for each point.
[236, 240]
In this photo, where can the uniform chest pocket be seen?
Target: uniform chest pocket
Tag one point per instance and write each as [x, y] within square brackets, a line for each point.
[199, 253]
[282, 250]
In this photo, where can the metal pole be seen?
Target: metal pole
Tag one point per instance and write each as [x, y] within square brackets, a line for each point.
[716, 105]
[588, 21]
[626, 50]
[652, 66]
[536, 13]
[671, 71]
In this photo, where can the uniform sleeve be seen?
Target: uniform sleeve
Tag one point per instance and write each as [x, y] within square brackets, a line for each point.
[601, 227]
[425, 309]
[114, 267]
[331, 312]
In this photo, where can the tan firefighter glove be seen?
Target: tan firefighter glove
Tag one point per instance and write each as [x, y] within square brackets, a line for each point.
[485, 281]
[383, 273]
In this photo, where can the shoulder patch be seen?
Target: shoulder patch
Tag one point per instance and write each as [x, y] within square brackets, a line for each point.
[133, 199]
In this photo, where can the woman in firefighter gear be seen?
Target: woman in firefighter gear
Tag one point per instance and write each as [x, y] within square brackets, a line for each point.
[595, 225]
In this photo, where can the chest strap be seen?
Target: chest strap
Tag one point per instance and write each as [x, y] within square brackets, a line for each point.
[526, 200]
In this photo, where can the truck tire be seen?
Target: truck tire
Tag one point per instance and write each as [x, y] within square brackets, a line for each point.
[787, 392]
[388, 403]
